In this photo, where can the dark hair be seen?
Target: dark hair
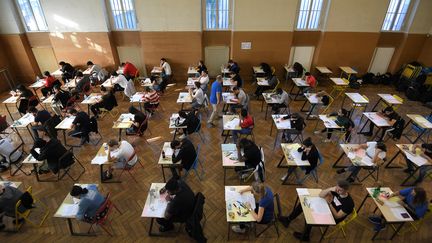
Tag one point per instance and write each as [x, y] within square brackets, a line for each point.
[89, 63]
[343, 184]
[32, 109]
[77, 190]
[133, 110]
[230, 61]
[172, 185]
[122, 64]
[197, 84]
[46, 73]
[243, 112]
[57, 86]
[201, 61]
[182, 114]
[103, 88]
[163, 59]
[344, 112]
[388, 109]
[72, 111]
[79, 74]
[307, 142]
[114, 73]
[307, 73]
[21, 87]
[174, 143]
[381, 146]
[427, 146]
[62, 63]
[279, 91]
[236, 88]
[420, 196]
[112, 142]
[244, 142]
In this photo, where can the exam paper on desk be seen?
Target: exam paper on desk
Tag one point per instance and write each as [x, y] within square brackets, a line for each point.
[234, 196]
[233, 123]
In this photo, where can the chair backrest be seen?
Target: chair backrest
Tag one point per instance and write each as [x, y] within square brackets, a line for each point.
[196, 161]
[320, 158]
[94, 125]
[103, 211]
[260, 170]
[66, 160]
[278, 205]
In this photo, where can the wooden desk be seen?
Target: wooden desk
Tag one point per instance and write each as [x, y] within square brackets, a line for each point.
[138, 97]
[30, 160]
[230, 158]
[313, 100]
[324, 70]
[101, 159]
[281, 125]
[167, 161]
[292, 158]
[14, 184]
[157, 71]
[300, 84]
[379, 121]
[270, 99]
[172, 123]
[146, 82]
[64, 125]
[236, 211]
[184, 97]
[190, 82]
[155, 205]
[23, 122]
[13, 100]
[316, 210]
[109, 83]
[258, 71]
[192, 72]
[70, 85]
[421, 122]
[92, 99]
[227, 83]
[289, 72]
[227, 98]
[348, 71]
[389, 99]
[57, 73]
[230, 123]
[262, 81]
[389, 208]
[68, 210]
[125, 121]
[225, 71]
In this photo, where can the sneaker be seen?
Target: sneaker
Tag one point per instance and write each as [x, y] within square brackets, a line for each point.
[237, 229]
[283, 177]
[299, 236]
[374, 219]
[379, 227]
[340, 171]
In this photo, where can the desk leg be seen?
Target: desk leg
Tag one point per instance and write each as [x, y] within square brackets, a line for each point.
[324, 233]
[88, 109]
[276, 137]
[361, 130]
[36, 172]
[150, 233]
[262, 104]
[175, 133]
[10, 114]
[394, 157]
[335, 165]
[397, 230]
[411, 175]
[280, 161]
[64, 137]
[373, 108]
[229, 230]
[19, 135]
[227, 135]
[310, 112]
[70, 226]
[419, 136]
[101, 173]
[271, 127]
[265, 116]
[163, 173]
[304, 104]
[120, 132]
[364, 200]
[343, 101]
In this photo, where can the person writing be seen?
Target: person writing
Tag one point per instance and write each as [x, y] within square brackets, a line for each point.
[80, 125]
[191, 122]
[90, 200]
[425, 151]
[241, 100]
[246, 124]
[311, 81]
[282, 100]
[122, 154]
[49, 82]
[139, 119]
[183, 151]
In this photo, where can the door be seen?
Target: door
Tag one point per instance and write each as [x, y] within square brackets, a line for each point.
[45, 59]
[215, 57]
[134, 56]
[381, 60]
[302, 55]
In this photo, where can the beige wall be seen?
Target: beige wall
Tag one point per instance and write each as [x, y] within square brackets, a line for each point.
[422, 22]
[9, 18]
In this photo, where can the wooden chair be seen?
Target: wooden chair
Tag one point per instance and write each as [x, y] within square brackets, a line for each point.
[19, 213]
[341, 226]
[102, 214]
[273, 221]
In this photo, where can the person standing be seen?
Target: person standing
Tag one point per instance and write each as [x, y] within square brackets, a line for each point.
[215, 100]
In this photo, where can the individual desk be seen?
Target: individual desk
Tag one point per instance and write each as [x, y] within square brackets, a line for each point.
[190, 82]
[281, 125]
[101, 159]
[230, 123]
[156, 71]
[230, 158]
[289, 72]
[37, 85]
[269, 99]
[184, 97]
[109, 83]
[48, 101]
[146, 82]
[70, 85]
[324, 70]
[329, 122]
[263, 82]
[87, 71]
[379, 121]
[357, 100]
[30, 160]
[92, 99]
[313, 100]
[421, 122]
[167, 161]
[155, 205]
[348, 71]
[13, 100]
[389, 99]
[64, 125]
[138, 97]
[225, 71]
[393, 213]
[293, 159]
[300, 84]
[68, 210]
[192, 72]
[258, 71]
[227, 83]
[125, 121]
[417, 159]
[316, 210]
[227, 98]
[14, 184]
[236, 211]
[172, 123]
[339, 86]
[57, 73]
[23, 122]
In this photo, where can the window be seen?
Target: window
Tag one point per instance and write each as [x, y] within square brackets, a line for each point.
[396, 13]
[309, 14]
[123, 12]
[32, 14]
[218, 14]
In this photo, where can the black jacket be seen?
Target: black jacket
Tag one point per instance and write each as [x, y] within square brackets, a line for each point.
[62, 97]
[191, 122]
[51, 151]
[193, 224]
[187, 154]
[181, 207]
[312, 157]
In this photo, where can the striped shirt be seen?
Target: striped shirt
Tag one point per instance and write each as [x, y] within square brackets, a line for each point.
[151, 97]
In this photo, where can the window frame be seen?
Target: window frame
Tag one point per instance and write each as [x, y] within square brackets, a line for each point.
[23, 20]
[204, 16]
[112, 18]
[404, 25]
[320, 19]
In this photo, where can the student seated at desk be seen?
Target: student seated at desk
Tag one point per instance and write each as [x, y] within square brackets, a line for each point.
[49, 82]
[376, 151]
[60, 96]
[40, 117]
[82, 83]
[246, 124]
[181, 203]
[138, 122]
[272, 81]
[233, 66]
[26, 97]
[67, 70]
[166, 73]
[9, 196]
[250, 154]
[297, 127]
[322, 97]
[90, 200]
[122, 154]
[201, 67]
[426, 152]
[413, 199]
[120, 82]
[197, 95]
[191, 121]
[266, 69]
[151, 100]
[204, 80]
[7, 146]
[388, 113]
[311, 81]
[80, 125]
[282, 100]
[342, 120]
[241, 100]
[51, 150]
[264, 209]
[108, 102]
[236, 80]
[310, 153]
[340, 203]
[183, 151]
[129, 70]
[97, 74]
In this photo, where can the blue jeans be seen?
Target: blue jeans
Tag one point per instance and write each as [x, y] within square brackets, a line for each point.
[354, 171]
[422, 171]
[242, 131]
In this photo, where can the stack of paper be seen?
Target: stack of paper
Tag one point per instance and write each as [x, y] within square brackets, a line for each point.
[233, 123]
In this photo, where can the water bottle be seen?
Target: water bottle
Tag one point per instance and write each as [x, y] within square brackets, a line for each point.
[37, 78]
[163, 154]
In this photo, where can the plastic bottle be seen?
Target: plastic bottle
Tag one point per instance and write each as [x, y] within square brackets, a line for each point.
[163, 154]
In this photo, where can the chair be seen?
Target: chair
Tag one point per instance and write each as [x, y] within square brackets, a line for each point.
[193, 223]
[129, 168]
[314, 172]
[101, 218]
[273, 221]
[26, 213]
[198, 129]
[260, 168]
[414, 226]
[67, 160]
[195, 164]
[420, 130]
[276, 87]
[370, 172]
[113, 112]
[140, 132]
[18, 162]
[341, 226]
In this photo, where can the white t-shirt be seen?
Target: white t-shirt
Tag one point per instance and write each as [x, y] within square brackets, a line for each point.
[167, 68]
[204, 81]
[125, 152]
[371, 150]
[121, 80]
[198, 94]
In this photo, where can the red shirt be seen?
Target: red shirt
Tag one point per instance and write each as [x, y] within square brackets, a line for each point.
[130, 70]
[247, 122]
[311, 81]
[49, 81]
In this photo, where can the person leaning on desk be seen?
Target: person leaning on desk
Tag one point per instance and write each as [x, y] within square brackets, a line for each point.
[90, 201]
[426, 152]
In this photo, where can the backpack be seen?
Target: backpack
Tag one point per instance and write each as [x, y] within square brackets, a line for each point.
[354, 85]
[368, 78]
[412, 93]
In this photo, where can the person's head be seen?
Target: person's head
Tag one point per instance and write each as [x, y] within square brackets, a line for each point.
[114, 74]
[201, 62]
[56, 88]
[244, 143]
[388, 110]
[197, 85]
[307, 74]
[419, 196]
[243, 112]
[204, 73]
[62, 63]
[133, 110]
[308, 142]
[47, 74]
[77, 191]
[219, 78]
[32, 110]
[90, 64]
[236, 90]
[175, 144]
[21, 87]
[163, 60]
[113, 144]
[230, 62]
[258, 189]
[172, 186]
[342, 187]
[279, 91]
[79, 74]
[72, 111]
[343, 112]
[122, 64]
[182, 114]
[381, 146]
[104, 90]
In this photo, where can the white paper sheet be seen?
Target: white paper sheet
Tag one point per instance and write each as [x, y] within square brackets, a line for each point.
[302, 191]
[319, 205]
[68, 210]
[99, 160]
[398, 211]
[391, 204]
[234, 196]
[233, 123]
[418, 160]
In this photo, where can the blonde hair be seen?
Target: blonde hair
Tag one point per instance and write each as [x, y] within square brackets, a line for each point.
[219, 77]
[259, 188]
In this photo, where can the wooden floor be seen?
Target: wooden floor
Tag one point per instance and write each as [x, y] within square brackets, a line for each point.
[130, 196]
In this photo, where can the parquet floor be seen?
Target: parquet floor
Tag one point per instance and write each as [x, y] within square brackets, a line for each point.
[130, 196]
